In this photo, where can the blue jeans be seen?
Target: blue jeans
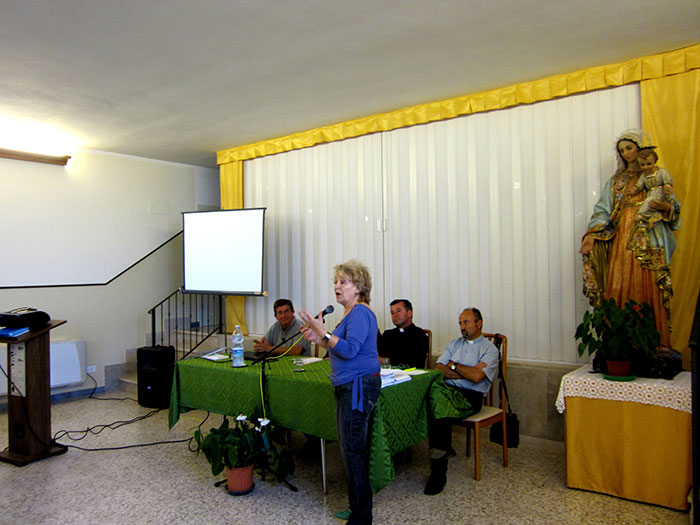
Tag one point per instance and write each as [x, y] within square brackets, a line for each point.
[353, 433]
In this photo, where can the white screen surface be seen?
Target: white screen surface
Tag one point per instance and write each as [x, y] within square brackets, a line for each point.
[223, 251]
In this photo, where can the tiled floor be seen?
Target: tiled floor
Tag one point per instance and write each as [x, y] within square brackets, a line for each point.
[168, 484]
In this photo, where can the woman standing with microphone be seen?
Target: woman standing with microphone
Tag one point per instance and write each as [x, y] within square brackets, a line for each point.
[352, 348]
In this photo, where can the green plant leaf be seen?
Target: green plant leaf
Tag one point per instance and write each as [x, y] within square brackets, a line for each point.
[618, 333]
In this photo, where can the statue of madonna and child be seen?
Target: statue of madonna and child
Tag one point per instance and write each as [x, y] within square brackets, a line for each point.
[629, 240]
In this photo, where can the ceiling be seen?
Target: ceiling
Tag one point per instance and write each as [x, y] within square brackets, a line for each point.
[178, 80]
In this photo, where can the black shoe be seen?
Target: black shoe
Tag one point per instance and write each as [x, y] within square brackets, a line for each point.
[436, 482]
[438, 477]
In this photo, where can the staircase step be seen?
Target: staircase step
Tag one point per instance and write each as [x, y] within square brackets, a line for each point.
[128, 383]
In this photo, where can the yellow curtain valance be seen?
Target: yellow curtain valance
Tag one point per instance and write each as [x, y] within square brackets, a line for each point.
[635, 70]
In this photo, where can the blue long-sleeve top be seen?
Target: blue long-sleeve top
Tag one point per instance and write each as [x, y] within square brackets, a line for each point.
[355, 353]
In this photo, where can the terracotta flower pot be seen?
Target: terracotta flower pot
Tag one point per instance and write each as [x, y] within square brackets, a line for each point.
[239, 480]
[619, 368]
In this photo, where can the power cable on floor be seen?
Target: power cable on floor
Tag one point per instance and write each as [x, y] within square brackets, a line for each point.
[106, 398]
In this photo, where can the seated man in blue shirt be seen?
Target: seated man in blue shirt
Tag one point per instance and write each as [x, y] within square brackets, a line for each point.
[286, 326]
[469, 365]
[406, 345]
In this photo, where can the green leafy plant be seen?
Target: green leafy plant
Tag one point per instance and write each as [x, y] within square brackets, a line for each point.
[245, 444]
[618, 334]
[231, 446]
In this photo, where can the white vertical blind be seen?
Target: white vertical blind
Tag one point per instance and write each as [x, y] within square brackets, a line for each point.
[323, 206]
[485, 210]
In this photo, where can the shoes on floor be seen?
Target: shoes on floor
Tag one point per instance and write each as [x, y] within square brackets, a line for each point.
[435, 484]
[342, 514]
[438, 477]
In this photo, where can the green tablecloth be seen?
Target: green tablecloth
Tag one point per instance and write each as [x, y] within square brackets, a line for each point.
[303, 401]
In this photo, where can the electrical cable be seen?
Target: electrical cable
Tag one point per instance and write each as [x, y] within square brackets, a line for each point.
[97, 429]
[91, 396]
[262, 393]
[198, 427]
[11, 386]
[118, 424]
[91, 430]
[102, 449]
[274, 358]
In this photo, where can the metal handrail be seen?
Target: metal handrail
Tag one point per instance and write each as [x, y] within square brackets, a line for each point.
[186, 320]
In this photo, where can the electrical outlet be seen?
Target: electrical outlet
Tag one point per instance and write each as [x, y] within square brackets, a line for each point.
[91, 369]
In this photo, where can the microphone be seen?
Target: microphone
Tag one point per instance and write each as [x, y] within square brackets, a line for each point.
[327, 310]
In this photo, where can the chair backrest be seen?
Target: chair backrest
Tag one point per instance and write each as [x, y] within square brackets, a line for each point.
[429, 357]
[500, 341]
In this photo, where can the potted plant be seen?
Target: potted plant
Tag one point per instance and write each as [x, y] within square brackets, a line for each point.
[618, 335]
[240, 448]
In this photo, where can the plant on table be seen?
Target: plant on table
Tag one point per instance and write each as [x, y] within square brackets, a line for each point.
[618, 334]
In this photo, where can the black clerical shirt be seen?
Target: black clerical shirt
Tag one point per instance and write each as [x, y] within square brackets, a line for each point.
[405, 347]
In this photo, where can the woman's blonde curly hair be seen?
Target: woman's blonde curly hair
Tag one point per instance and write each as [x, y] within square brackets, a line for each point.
[358, 273]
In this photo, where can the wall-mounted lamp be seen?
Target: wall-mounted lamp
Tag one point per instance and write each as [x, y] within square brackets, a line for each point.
[35, 141]
[34, 157]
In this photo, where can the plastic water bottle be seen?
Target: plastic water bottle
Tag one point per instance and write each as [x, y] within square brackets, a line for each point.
[237, 347]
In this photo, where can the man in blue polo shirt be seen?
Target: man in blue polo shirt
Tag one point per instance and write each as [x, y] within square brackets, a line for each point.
[469, 365]
[286, 326]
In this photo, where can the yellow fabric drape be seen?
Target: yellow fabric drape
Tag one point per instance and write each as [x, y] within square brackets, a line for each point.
[635, 70]
[231, 183]
[670, 109]
[606, 439]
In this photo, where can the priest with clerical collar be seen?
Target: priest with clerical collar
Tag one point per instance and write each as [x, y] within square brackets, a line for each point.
[406, 345]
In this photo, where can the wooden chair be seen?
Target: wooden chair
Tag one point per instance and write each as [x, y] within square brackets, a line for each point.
[489, 413]
[429, 357]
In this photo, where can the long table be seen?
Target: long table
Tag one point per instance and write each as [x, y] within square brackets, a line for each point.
[303, 401]
[628, 439]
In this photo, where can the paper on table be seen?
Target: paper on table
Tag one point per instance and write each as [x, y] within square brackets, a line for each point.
[393, 377]
[216, 357]
[400, 377]
[307, 360]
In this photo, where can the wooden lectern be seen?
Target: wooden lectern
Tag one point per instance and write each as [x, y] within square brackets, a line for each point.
[29, 397]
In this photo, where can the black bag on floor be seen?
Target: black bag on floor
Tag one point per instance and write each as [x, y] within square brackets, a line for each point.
[512, 422]
[512, 431]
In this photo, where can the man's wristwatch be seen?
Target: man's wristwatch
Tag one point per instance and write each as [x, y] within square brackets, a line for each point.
[327, 337]
[453, 366]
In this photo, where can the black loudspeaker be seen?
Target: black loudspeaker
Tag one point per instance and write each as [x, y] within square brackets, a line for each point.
[155, 375]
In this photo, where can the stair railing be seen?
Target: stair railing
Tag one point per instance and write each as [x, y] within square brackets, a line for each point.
[186, 320]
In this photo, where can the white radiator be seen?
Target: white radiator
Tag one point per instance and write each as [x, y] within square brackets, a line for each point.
[68, 361]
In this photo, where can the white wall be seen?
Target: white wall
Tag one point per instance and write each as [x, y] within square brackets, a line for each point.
[85, 224]
[207, 190]
[90, 220]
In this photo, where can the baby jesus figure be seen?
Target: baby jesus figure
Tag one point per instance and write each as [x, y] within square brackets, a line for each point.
[657, 181]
